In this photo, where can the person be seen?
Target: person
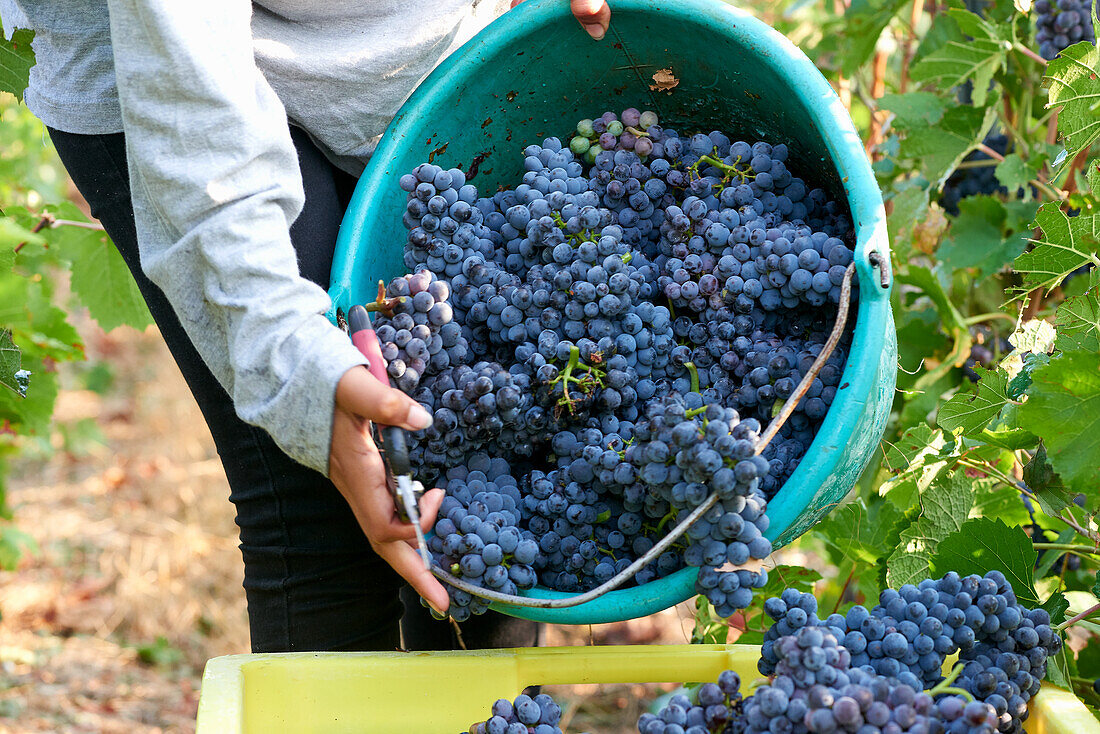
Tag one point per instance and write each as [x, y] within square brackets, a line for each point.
[218, 143]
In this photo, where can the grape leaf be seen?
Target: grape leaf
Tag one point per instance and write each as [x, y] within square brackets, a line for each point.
[969, 413]
[976, 58]
[1074, 86]
[992, 499]
[941, 147]
[1056, 606]
[914, 109]
[864, 21]
[1014, 173]
[1022, 381]
[1033, 335]
[1078, 323]
[1047, 487]
[910, 207]
[100, 277]
[1063, 407]
[14, 543]
[16, 60]
[12, 376]
[860, 533]
[944, 507]
[977, 237]
[1067, 244]
[984, 544]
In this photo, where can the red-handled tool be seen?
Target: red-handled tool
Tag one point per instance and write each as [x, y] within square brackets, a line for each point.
[394, 445]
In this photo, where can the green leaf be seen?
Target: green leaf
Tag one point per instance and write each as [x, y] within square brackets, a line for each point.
[100, 277]
[1096, 586]
[984, 544]
[992, 499]
[1015, 173]
[941, 147]
[1047, 487]
[976, 58]
[978, 239]
[12, 375]
[969, 413]
[1034, 335]
[14, 544]
[859, 533]
[16, 60]
[914, 109]
[944, 507]
[1022, 381]
[910, 208]
[1063, 407]
[1067, 243]
[1078, 323]
[864, 21]
[1074, 86]
[1056, 606]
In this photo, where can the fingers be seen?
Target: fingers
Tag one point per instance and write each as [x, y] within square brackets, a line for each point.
[593, 15]
[360, 393]
[515, 3]
[404, 559]
[429, 508]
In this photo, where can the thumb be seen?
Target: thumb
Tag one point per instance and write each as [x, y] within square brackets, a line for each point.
[593, 15]
[361, 394]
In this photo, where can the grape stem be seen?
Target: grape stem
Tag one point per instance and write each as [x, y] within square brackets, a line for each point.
[945, 687]
[726, 168]
[592, 377]
[1094, 609]
[694, 375]
[382, 304]
[1084, 549]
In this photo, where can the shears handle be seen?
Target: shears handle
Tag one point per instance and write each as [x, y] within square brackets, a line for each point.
[395, 446]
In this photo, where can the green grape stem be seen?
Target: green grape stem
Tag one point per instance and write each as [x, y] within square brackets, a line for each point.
[591, 378]
[729, 170]
[945, 686]
[694, 375]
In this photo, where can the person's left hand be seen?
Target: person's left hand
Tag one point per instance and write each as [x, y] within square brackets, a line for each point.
[593, 15]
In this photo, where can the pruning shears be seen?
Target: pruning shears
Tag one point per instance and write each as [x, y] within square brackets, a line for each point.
[395, 449]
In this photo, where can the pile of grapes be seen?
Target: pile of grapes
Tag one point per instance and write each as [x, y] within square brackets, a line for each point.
[601, 347]
[870, 671]
[1061, 23]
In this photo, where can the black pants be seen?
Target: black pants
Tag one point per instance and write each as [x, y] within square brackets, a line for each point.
[311, 579]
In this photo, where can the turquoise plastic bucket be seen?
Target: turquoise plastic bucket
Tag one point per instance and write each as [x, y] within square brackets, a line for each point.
[533, 73]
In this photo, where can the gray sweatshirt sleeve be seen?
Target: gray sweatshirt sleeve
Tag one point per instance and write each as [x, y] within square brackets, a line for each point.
[216, 185]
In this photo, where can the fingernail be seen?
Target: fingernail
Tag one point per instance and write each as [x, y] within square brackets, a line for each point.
[595, 30]
[418, 418]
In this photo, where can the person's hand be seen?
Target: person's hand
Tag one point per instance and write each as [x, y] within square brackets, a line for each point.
[593, 15]
[356, 468]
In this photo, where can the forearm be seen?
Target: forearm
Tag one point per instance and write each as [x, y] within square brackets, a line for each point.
[215, 188]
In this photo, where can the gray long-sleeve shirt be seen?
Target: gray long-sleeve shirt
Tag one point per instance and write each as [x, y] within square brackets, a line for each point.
[203, 90]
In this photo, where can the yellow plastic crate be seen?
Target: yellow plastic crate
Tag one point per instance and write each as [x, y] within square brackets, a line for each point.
[445, 692]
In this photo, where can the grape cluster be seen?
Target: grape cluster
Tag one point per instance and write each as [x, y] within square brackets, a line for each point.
[869, 671]
[524, 715]
[715, 709]
[416, 328]
[619, 327]
[477, 535]
[1062, 23]
[816, 689]
[1003, 647]
[964, 182]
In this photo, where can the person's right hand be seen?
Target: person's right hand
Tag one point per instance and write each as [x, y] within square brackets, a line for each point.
[356, 468]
